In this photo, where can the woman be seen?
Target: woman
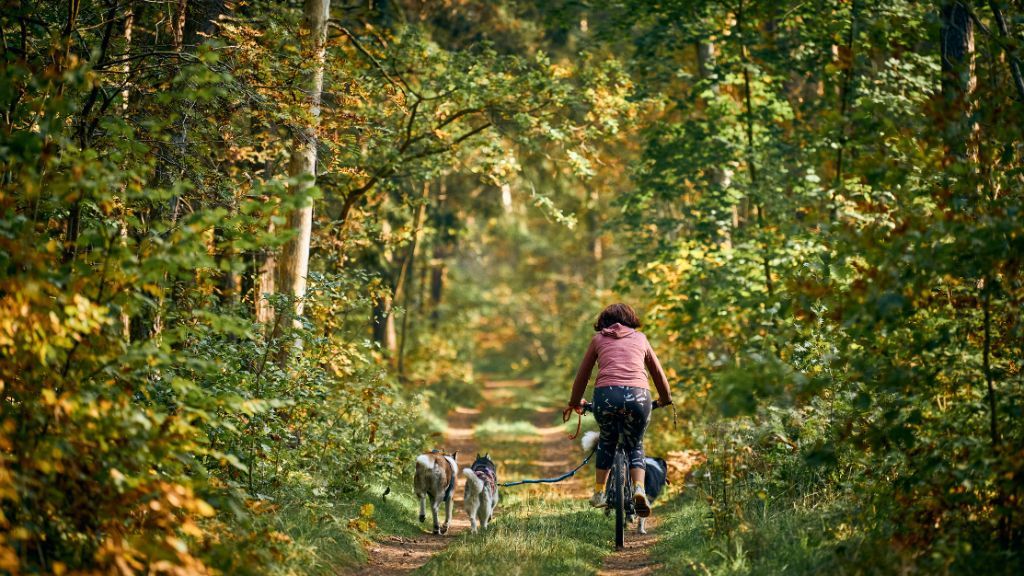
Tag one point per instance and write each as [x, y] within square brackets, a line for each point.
[620, 392]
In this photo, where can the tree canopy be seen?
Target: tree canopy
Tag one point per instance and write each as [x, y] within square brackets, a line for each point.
[252, 252]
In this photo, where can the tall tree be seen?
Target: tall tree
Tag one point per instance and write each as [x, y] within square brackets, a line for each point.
[293, 264]
[956, 44]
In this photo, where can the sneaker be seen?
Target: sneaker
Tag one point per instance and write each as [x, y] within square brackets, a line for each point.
[640, 503]
[599, 500]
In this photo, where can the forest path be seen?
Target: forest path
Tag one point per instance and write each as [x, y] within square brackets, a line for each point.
[397, 555]
[538, 528]
[635, 558]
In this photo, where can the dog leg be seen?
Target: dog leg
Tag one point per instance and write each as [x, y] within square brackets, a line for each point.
[485, 511]
[423, 507]
[447, 515]
[471, 512]
[434, 505]
[642, 528]
[471, 507]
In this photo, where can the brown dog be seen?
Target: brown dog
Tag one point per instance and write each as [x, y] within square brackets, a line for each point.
[435, 479]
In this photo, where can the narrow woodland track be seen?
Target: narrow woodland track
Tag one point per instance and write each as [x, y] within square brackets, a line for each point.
[403, 555]
[544, 452]
[635, 558]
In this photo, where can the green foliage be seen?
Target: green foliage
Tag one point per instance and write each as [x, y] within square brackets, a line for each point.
[819, 217]
[838, 284]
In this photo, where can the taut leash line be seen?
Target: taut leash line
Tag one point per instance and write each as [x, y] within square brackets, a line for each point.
[568, 474]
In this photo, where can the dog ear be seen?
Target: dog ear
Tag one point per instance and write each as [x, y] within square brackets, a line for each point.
[455, 455]
[487, 455]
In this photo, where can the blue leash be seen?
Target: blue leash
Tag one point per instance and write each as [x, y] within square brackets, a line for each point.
[568, 474]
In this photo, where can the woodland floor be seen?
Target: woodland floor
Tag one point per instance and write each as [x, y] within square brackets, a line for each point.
[538, 529]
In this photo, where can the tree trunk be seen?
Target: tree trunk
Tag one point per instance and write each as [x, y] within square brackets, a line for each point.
[405, 277]
[201, 21]
[266, 284]
[293, 265]
[956, 44]
[596, 241]
[441, 223]
[383, 323]
[186, 16]
[383, 306]
[266, 259]
[1015, 64]
[751, 156]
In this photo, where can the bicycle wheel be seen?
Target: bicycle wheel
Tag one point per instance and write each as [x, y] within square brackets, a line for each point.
[619, 485]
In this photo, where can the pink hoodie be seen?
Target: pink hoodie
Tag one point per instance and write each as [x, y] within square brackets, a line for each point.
[621, 354]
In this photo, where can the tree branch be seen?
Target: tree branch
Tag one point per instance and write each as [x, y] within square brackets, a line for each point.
[1015, 65]
[404, 88]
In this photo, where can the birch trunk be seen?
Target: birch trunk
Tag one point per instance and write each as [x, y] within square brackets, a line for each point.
[293, 265]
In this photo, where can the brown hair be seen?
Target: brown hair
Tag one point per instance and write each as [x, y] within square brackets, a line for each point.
[617, 313]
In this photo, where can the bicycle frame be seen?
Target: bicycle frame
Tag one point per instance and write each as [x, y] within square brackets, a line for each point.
[619, 484]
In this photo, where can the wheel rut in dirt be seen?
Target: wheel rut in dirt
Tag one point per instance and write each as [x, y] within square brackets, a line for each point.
[635, 557]
[398, 555]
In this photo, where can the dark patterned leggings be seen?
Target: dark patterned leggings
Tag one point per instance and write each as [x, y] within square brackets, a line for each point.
[631, 406]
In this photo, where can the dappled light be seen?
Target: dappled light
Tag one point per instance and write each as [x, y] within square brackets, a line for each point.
[265, 266]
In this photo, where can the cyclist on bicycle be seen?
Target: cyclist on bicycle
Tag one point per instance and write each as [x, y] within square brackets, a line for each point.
[621, 391]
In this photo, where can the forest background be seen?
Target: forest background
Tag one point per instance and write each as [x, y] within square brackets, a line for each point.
[251, 252]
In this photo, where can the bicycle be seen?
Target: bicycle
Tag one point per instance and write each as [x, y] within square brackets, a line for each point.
[619, 485]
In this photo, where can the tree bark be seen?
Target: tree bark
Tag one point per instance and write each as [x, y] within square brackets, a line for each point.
[383, 318]
[405, 277]
[845, 91]
[956, 44]
[442, 222]
[201, 21]
[266, 284]
[293, 265]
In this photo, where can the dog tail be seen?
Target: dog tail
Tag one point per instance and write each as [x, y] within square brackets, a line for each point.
[473, 480]
[590, 440]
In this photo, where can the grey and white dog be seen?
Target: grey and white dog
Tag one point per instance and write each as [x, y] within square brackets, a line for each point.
[481, 495]
[435, 479]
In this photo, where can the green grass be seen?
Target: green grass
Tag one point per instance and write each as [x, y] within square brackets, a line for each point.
[535, 531]
[789, 541]
[532, 534]
[323, 540]
[501, 428]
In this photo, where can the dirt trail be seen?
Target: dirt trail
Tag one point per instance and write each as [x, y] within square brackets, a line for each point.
[558, 455]
[555, 455]
[402, 555]
[635, 559]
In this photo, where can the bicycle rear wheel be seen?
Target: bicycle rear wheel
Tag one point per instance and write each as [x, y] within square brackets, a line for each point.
[619, 485]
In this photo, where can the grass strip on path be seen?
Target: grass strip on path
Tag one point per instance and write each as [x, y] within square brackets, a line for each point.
[538, 529]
